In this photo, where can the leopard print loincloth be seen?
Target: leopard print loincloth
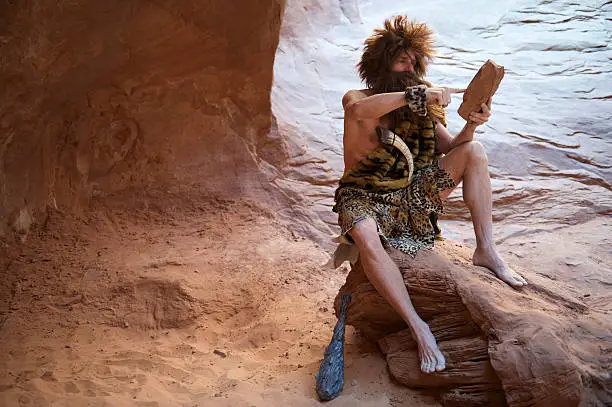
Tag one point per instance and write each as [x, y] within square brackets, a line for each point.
[402, 216]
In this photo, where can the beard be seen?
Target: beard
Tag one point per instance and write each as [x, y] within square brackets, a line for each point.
[398, 82]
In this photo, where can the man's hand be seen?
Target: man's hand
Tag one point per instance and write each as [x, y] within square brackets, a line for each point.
[478, 118]
[440, 95]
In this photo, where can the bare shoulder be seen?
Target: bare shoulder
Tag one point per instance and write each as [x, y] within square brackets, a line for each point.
[353, 96]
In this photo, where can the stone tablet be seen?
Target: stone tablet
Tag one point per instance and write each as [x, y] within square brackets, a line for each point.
[483, 86]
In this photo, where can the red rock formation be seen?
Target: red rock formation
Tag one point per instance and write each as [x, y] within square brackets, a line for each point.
[538, 346]
[108, 96]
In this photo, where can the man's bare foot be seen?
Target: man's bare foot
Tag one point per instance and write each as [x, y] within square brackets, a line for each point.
[490, 259]
[430, 356]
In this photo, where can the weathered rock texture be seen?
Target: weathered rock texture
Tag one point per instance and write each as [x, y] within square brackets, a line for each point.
[534, 347]
[482, 87]
[99, 97]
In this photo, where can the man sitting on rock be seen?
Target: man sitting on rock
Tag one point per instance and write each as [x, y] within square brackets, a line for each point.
[381, 201]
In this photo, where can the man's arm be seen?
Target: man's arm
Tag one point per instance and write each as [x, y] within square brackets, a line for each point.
[445, 142]
[358, 105]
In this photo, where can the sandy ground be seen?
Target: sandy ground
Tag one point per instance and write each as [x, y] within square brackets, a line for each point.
[202, 302]
[207, 304]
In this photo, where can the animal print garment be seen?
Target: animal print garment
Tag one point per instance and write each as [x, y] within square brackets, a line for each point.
[402, 216]
[417, 100]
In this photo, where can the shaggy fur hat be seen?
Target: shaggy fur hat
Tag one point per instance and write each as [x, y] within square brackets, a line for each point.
[385, 44]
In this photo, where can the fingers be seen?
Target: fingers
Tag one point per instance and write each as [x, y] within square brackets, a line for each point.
[479, 118]
[445, 97]
[476, 120]
[435, 96]
[486, 109]
[441, 95]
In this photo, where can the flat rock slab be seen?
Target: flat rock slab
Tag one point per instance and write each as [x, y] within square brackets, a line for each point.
[481, 88]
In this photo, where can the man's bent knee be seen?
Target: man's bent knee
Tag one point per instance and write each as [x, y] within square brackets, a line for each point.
[365, 235]
[477, 151]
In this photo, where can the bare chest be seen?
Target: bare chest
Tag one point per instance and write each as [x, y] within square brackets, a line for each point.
[360, 142]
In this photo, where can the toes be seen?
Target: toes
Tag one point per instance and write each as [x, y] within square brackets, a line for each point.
[433, 363]
[428, 366]
[424, 366]
[512, 278]
[441, 363]
[518, 281]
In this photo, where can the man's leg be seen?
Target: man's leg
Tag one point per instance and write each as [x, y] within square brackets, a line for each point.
[468, 163]
[385, 276]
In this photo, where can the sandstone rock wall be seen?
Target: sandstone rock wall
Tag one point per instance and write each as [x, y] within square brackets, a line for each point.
[101, 97]
[315, 62]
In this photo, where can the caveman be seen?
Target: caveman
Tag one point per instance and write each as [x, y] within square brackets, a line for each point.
[386, 198]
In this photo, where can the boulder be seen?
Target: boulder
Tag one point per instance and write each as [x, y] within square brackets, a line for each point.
[538, 346]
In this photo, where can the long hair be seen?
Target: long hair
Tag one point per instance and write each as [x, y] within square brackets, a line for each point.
[382, 47]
